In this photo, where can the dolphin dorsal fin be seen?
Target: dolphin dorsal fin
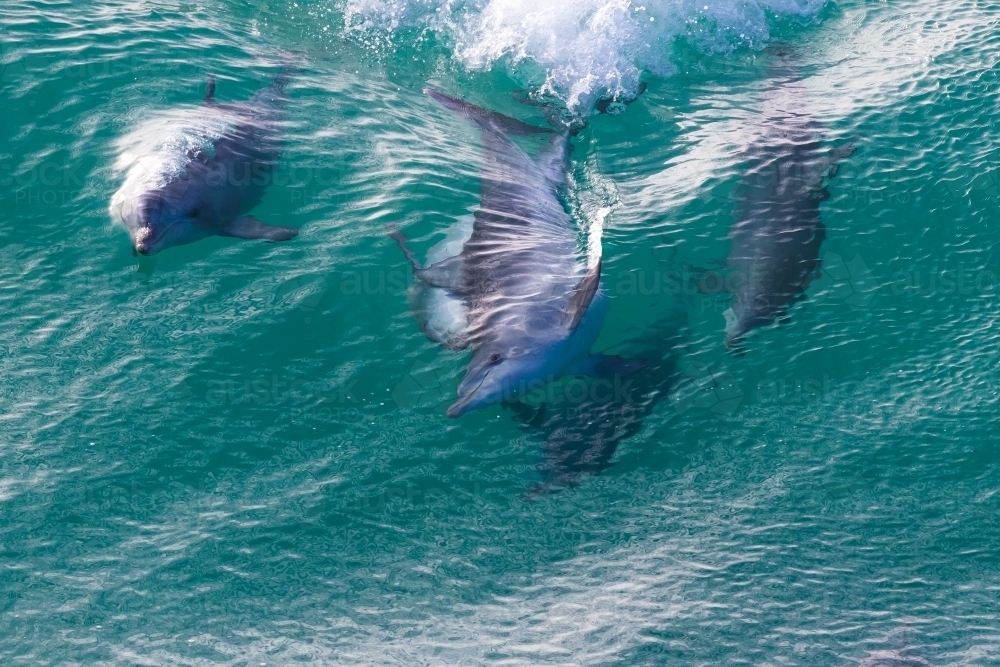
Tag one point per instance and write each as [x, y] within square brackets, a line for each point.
[210, 91]
[553, 160]
[487, 120]
[583, 294]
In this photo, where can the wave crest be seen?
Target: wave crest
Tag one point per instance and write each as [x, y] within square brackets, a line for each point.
[579, 50]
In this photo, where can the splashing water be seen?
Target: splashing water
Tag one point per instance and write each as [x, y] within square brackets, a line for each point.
[580, 50]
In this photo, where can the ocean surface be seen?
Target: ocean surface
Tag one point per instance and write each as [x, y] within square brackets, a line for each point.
[236, 452]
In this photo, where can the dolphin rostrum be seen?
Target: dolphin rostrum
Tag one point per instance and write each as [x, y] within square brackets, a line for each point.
[533, 310]
[199, 171]
[775, 242]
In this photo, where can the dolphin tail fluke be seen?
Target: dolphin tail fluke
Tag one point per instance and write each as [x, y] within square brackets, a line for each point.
[843, 151]
[558, 116]
[446, 274]
[838, 153]
[488, 120]
[249, 227]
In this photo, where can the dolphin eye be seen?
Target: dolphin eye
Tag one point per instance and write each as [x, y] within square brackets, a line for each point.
[494, 358]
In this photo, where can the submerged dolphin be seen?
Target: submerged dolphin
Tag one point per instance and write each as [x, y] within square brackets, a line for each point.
[892, 659]
[581, 428]
[198, 172]
[533, 309]
[775, 242]
[580, 432]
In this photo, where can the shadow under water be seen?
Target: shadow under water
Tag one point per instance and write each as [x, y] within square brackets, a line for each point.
[581, 430]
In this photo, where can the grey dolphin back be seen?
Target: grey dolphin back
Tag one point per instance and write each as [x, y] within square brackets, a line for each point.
[518, 221]
[778, 233]
[207, 184]
[553, 160]
[520, 225]
[250, 153]
[255, 134]
[528, 298]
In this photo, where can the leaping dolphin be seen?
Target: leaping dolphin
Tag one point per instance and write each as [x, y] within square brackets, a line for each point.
[198, 172]
[775, 242]
[533, 309]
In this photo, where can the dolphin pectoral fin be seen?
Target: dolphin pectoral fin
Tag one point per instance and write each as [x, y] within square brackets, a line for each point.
[583, 295]
[210, 91]
[488, 120]
[607, 365]
[249, 227]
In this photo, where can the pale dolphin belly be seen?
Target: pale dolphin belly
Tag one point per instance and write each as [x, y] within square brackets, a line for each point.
[441, 315]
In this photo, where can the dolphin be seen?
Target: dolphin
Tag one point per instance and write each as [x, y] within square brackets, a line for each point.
[776, 239]
[898, 657]
[892, 659]
[197, 172]
[533, 310]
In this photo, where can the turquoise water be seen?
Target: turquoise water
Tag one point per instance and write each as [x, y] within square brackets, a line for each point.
[236, 452]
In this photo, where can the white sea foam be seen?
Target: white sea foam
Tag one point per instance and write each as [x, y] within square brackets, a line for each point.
[578, 50]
